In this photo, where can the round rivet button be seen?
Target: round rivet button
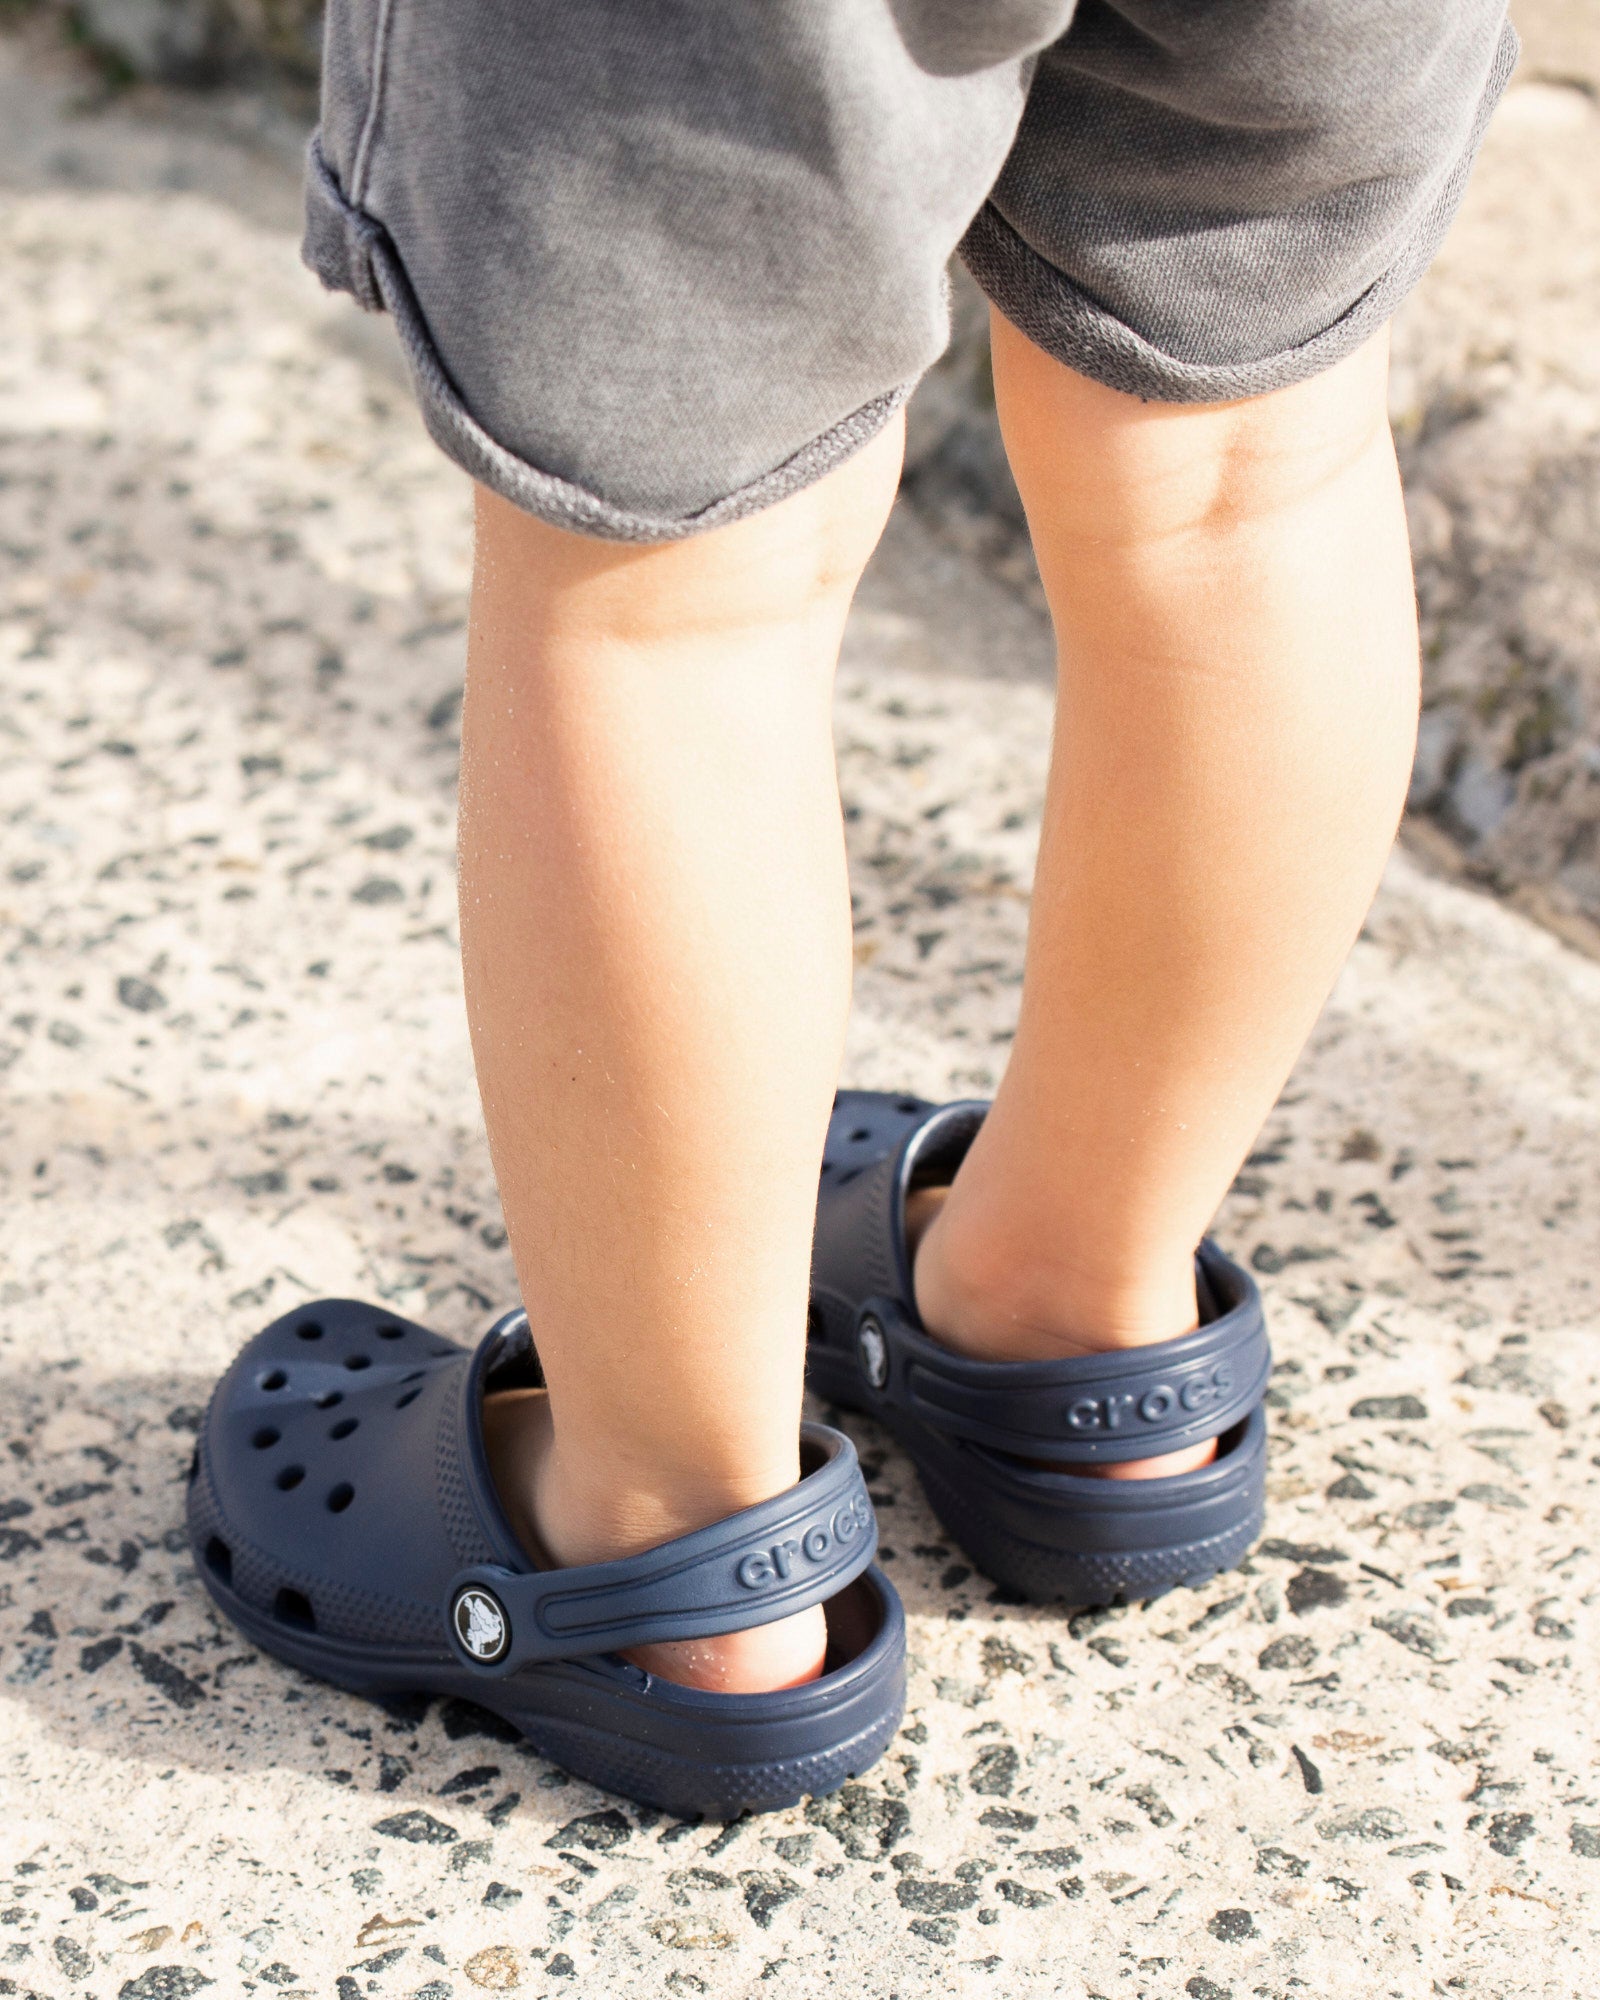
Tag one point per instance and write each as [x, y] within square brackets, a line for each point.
[872, 1351]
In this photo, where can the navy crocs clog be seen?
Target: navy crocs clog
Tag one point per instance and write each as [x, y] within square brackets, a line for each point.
[342, 1513]
[970, 1427]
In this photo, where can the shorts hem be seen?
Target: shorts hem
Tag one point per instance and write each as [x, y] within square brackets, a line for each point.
[351, 251]
[1077, 330]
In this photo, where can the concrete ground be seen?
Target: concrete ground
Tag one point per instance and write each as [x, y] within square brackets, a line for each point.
[231, 601]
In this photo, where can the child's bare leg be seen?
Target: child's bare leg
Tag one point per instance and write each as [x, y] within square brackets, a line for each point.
[655, 927]
[1231, 587]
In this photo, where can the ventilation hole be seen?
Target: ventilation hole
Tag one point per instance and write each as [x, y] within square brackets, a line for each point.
[344, 1427]
[860, 1136]
[354, 1361]
[293, 1607]
[219, 1559]
[194, 1466]
[309, 1329]
[266, 1438]
[290, 1478]
[410, 1396]
[391, 1332]
[816, 1325]
[276, 1380]
[908, 1106]
[340, 1497]
[844, 1179]
[416, 1375]
[330, 1399]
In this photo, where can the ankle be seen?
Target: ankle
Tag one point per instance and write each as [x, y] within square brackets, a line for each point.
[595, 1504]
[574, 1508]
[995, 1302]
[585, 1518]
[986, 1293]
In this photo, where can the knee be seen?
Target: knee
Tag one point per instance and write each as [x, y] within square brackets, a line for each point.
[1098, 466]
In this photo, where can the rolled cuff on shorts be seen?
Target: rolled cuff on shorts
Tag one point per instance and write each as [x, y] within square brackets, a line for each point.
[1196, 298]
[350, 252]
[656, 267]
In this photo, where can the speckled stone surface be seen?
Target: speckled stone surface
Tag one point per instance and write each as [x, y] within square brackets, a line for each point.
[236, 1075]
[1496, 396]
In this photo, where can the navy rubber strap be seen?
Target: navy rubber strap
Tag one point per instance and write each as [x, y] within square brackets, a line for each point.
[1092, 1409]
[759, 1565]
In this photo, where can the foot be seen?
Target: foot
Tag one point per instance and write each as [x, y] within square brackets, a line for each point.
[559, 1528]
[956, 1319]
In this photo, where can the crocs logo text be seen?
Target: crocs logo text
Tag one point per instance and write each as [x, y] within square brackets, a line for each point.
[481, 1623]
[761, 1568]
[1157, 1405]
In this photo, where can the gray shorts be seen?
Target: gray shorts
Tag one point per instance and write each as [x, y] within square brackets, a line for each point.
[658, 263]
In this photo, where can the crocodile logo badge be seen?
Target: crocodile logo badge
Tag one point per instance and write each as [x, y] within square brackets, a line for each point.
[481, 1624]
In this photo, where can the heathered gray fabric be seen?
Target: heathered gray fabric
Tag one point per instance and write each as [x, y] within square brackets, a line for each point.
[354, 255]
[657, 263]
[1210, 198]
